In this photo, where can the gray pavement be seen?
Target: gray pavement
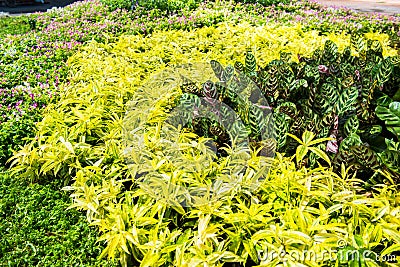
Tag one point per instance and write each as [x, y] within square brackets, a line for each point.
[36, 7]
[390, 7]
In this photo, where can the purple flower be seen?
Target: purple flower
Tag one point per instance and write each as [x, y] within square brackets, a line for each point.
[263, 107]
[357, 72]
[323, 69]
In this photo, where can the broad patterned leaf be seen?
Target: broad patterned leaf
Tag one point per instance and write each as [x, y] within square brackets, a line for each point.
[383, 71]
[351, 125]
[347, 100]
[250, 64]
[391, 116]
[217, 68]
[391, 159]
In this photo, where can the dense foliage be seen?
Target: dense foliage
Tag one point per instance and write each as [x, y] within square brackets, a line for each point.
[152, 53]
[175, 5]
[14, 25]
[168, 5]
[78, 95]
[32, 65]
[118, 4]
[264, 2]
[330, 93]
[82, 138]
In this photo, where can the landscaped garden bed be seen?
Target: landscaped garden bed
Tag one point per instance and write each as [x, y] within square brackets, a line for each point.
[85, 96]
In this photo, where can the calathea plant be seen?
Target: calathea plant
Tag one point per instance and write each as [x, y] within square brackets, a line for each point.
[335, 94]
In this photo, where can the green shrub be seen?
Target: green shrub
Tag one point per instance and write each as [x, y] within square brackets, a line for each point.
[118, 4]
[162, 5]
[265, 2]
[169, 5]
[14, 25]
[13, 134]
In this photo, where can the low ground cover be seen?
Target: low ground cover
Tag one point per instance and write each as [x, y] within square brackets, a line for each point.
[14, 25]
[37, 230]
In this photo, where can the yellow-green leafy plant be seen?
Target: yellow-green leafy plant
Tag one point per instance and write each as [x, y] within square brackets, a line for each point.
[307, 145]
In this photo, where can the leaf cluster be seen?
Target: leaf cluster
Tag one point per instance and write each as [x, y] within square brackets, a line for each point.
[335, 94]
[13, 25]
[89, 115]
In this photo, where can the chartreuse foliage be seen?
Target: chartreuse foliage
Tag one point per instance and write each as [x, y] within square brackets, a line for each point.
[294, 208]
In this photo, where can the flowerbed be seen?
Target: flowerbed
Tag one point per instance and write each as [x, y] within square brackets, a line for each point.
[33, 64]
[81, 138]
[66, 86]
